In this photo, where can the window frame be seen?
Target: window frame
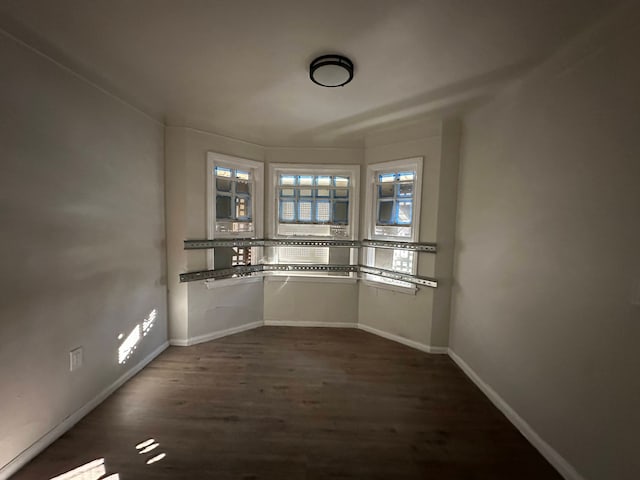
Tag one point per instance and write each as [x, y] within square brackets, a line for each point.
[371, 215]
[256, 168]
[350, 170]
[272, 211]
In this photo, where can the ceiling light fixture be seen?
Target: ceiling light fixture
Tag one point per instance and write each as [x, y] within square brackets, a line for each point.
[331, 71]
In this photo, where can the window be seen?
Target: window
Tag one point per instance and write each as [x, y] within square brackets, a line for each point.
[314, 202]
[394, 204]
[234, 203]
[393, 213]
[313, 199]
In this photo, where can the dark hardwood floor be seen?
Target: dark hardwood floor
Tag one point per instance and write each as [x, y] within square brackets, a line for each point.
[298, 403]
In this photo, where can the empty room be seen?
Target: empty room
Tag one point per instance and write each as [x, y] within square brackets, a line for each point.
[349, 239]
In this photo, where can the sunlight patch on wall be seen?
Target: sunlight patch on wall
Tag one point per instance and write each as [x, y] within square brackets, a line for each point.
[130, 343]
[147, 323]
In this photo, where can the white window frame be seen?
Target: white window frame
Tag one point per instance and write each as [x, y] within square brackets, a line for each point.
[352, 171]
[371, 208]
[257, 197]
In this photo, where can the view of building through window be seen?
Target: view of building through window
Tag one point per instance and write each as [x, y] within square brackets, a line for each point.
[313, 199]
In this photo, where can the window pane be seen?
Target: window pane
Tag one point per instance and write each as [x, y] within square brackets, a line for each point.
[402, 261]
[406, 176]
[287, 211]
[385, 212]
[323, 181]
[341, 193]
[287, 180]
[223, 172]
[242, 175]
[306, 192]
[404, 212]
[287, 192]
[405, 189]
[341, 212]
[304, 211]
[387, 177]
[386, 190]
[305, 180]
[323, 212]
[223, 185]
[242, 187]
[223, 207]
[322, 192]
[342, 181]
[243, 205]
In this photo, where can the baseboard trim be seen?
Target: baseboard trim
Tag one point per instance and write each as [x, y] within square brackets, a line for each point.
[288, 323]
[405, 341]
[553, 457]
[36, 448]
[214, 335]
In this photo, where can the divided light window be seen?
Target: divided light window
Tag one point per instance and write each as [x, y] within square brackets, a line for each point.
[234, 193]
[393, 204]
[234, 188]
[314, 199]
[314, 202]
[234, 203]
[395, 198]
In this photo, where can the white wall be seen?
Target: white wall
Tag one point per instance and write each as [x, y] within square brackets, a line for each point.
[294, 300]
[195, 310]
[423, 317]
[82, 243]
[547, 305]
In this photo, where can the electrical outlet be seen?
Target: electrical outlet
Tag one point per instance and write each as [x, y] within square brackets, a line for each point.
[75, 359]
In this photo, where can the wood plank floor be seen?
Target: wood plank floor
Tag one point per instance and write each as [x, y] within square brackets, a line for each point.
[298, 403]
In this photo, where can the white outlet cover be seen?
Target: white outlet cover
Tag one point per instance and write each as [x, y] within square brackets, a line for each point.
[75, 359]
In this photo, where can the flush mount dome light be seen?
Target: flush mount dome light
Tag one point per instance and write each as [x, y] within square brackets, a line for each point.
[331, 71]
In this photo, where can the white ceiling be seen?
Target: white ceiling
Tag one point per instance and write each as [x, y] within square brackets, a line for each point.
[240, 67]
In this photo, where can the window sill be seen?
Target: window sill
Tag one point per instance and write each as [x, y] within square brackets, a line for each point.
[232, 282]
[394, 288]
[309, 279]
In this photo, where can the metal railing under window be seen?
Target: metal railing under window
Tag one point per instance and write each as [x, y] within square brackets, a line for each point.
[247, 270]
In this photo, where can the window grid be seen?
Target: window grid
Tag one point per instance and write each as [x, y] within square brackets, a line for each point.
[394, 198]
[233, 194]
[313, 199]
[394, 209]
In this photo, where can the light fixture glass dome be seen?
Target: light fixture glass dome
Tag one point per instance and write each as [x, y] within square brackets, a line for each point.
[331, 71]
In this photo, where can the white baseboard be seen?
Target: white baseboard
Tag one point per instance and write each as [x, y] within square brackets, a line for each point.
[553, 457]
[213, 335]
[30, 453]
[405, 341]
[288, 323]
